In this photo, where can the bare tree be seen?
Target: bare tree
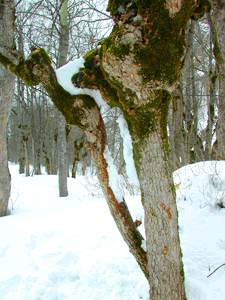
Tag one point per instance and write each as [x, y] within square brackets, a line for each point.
[192, 117]
[6, 98]
[218, 28]
[62, 155]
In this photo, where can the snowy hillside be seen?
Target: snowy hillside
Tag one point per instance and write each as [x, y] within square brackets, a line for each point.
[55, 248]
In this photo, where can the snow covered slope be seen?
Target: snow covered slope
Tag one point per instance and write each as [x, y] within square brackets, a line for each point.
[69, 248]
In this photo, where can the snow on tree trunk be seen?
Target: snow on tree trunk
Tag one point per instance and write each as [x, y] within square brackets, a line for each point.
[6, 100]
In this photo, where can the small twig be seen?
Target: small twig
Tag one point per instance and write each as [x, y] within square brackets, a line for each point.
[216, 270]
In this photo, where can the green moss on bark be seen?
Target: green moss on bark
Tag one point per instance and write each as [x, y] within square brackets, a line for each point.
[161, 56]
[24, 70]
[113, 5]
[5, 61]
[217, 51]
[92, 76]
[203, 7]
[120, 50]
[161, 53]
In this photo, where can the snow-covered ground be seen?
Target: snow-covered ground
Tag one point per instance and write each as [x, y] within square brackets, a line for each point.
[55, 248]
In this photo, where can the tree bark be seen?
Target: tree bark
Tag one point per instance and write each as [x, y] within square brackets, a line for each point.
[219, 51]
[176, 134]
[6, 99]
[62, 156]
[161, 219]
[62, 153]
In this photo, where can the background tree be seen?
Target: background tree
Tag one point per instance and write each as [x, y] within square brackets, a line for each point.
[38, 24]
[62, 147]
[218, 27]
[6, 98]
[193, 113]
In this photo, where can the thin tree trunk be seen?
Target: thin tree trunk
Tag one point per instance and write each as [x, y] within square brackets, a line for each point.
[176, 129]
[62, 156]
[219, 51]
[22, 159]
[7, 82]
[54, 155]
[27, 172]
[74, 168]
[212, 98]
[62, 153]
[84, 166]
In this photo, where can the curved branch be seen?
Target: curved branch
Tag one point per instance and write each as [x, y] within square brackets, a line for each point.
[82, 111]
[119, 210]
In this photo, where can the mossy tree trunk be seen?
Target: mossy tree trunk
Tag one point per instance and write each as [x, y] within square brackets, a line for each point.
[6, 99]
[142, 63]
[135, 69]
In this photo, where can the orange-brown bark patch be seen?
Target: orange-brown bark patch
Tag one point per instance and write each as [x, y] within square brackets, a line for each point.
[90, 77]
[138, 223]
[163, 206]
[136, 66]
[169, 213]
[165, 250]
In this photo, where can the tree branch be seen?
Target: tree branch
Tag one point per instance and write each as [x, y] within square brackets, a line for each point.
[82, 111]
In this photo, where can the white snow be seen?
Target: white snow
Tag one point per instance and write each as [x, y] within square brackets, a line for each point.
[201, 224]
[113, 175]
[143, 245]
[65, 74]
[128, 151]
[70, 249]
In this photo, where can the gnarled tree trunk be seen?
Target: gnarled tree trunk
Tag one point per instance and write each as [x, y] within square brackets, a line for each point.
[135, 69]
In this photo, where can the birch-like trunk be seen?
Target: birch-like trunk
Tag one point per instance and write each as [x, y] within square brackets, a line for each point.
[6, 100]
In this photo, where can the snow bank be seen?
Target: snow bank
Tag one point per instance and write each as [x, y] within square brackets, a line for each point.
[66, 249]
[201, 225]
[53, 248]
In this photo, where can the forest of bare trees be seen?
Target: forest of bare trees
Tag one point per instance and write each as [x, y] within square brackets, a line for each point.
[164, 60]
[192, 122]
